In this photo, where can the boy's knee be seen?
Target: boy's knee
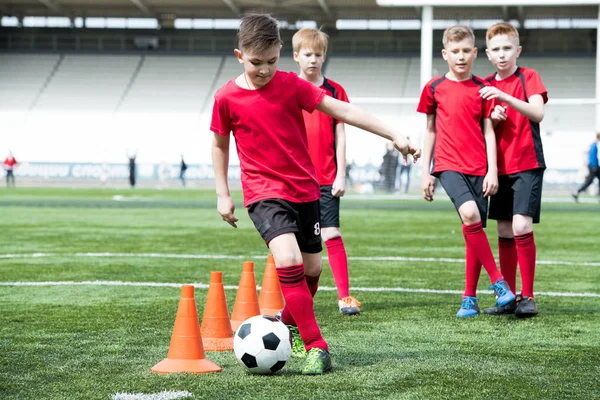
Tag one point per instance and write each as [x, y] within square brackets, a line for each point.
[469, 213]
[522, 224]
[505, 229]
[289, 260]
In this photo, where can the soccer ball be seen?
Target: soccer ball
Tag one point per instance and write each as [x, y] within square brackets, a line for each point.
[262, 344]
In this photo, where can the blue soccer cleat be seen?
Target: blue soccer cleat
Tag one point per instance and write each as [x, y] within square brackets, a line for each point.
[503, 293]
[469, 307]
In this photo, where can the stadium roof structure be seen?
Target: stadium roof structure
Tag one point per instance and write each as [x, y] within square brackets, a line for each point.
[294, 10]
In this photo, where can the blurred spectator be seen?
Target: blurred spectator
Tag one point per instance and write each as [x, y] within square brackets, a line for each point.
[593, 169]
[9, 165]
[401, 170]
[132, 173]
[388, 168]
[182, 168]
[349, 167]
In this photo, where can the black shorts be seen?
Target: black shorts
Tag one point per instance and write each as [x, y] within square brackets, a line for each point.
[330, 208]
[519, 193]
[462, 188]
[274, 217]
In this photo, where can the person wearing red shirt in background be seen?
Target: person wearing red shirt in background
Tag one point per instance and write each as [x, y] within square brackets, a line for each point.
[263, 108]
[521, 164]
[9, 165]
[464, 158]
[327, 148]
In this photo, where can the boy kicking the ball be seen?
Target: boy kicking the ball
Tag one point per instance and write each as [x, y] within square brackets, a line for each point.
[263, 107]
[464, 158]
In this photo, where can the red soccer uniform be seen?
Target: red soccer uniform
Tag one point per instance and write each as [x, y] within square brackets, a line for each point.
[270, 136]
[9, 163]
[320, 128]
[459, 112]
[518, 138]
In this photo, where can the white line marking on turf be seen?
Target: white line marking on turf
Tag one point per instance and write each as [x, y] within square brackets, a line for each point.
[164, 395]
[232, 257]
[233, 287]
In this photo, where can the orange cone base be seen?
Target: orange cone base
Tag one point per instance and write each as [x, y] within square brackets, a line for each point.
[174, 366]
[217, 344]
[269, 311]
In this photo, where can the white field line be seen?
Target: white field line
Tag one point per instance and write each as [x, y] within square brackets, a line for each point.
[164, 395]
[231, 257]
[233, 287]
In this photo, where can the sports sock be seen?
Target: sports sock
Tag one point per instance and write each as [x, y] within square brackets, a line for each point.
[478, 245]
[338, 261]
[507, 251]
[299, 303]
[526, 253]
[313, 283]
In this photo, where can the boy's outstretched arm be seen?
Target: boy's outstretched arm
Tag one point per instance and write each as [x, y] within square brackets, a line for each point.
[339, 184]
[220, 160]
[355, 116]
[490, 182]
[532, 109]
[427, 181]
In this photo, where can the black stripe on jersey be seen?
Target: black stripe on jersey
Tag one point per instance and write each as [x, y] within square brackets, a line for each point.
[434, 84]
[334, 94]
[535, 127]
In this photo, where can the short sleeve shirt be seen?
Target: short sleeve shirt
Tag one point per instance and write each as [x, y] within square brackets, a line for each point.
[459, 113]
[270, 136]
[321, 130]
[518, 138]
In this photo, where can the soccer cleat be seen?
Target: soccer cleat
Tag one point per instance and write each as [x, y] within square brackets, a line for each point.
[298, 349]
[469, 307]
[575, 197]
[526, 308]
[505, 309]
[349, 306]
[503, 293]
[317, 362]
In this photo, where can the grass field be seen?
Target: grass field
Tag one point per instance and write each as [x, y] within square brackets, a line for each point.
[70, 328]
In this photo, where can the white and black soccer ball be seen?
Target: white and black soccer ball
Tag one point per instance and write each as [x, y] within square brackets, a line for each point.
[262, 344]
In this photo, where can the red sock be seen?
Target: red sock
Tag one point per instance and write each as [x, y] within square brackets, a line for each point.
[472, 274]
[478, 246]
[526, 253]
[299, 303]
[313, 283]
[338, 261]
[507, 250]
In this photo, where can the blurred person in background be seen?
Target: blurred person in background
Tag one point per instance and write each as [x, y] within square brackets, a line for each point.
[9, 165]
[388, 168]
[401, 169]
[593, 169]
[182, 168]
[132, 172]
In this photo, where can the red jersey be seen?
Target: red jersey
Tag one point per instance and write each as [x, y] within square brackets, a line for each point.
[459, 113]
[518, 138]
[9, 163]
[320, 129]
[270, 136]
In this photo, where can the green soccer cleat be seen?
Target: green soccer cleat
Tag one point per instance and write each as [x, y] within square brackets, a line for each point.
[317, 362]
[298, 349]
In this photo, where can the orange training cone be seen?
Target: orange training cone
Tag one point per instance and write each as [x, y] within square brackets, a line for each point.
[246, 301]
[186, 353]
[216, 331]
[270, 299]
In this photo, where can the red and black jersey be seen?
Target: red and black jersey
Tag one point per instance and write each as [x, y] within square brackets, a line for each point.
[270, 137]
[518, 138]
[459, 113]
[321, 129]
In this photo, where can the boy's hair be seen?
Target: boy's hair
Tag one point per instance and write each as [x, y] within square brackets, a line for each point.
[311, 38]
[598, 135]
[458, 33]
[502, 28]
[258, 32]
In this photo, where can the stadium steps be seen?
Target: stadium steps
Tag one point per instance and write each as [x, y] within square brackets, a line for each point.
[131, 82]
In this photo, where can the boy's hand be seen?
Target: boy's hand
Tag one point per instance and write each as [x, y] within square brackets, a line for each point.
[490, 184]
[226, 208]
[338, 189]
[403, 146]
[499, 114]
[490, 92]
[428, 186]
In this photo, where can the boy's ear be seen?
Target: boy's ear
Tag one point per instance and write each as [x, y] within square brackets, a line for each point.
[487, 52]
[519, 51]
[445, 54]
[238, 54]
[296, 56]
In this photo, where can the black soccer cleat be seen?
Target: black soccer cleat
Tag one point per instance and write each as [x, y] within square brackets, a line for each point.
[501, 310]
[526, 308]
